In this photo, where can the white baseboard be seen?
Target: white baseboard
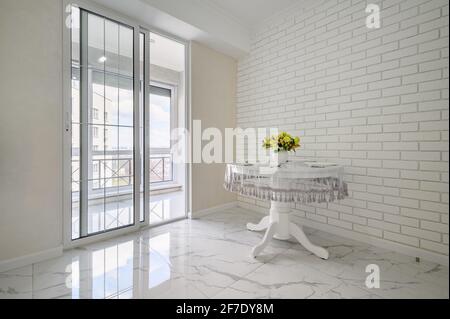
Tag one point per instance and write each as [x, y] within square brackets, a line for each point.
[215, 209]
[26, 260]
[377, 242]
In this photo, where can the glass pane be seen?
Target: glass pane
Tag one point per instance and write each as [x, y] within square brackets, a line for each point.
[96, 41]
[75, 181]
[125, 169]
[156, 170]
[109, 91]
[75, 196]
[125, 212]
[76, 176]
[97, 97]
[75, 212]
[96, 151]
[126, 102]
[168, 168]
[111, 99]
[75, 152]
[75, 34]
[167, 102]
[103, 146]
[126, 142]
[96, 206]
[160, 117]
[111, 216]
[125, 51]
[75, 95]
[111, 142]
[111, 46]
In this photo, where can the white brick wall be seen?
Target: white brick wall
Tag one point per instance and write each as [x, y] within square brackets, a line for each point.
[375, 101]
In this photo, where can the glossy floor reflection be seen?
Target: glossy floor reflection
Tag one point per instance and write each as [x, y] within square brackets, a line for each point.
[164, 207]
[210, 258]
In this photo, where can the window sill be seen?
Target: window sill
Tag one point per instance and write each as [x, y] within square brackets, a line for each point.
[165, 188]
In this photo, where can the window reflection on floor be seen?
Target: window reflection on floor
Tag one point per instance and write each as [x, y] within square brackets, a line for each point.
[112, 271]
[159, 260]
[115, 271]
[168, 206]
[113, 268]
[75, 277]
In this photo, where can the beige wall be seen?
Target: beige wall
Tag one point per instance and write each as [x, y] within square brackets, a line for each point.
[30, 127]
[213, 98]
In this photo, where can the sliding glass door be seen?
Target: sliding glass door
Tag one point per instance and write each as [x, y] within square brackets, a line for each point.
[127, 96]
[167, 91]
[161, 124]
[103, 124]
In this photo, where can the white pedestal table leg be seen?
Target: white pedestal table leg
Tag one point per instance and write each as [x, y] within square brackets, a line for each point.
[262, 225]
[280, 227]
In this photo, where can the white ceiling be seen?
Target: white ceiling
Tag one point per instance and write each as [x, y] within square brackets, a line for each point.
[224, 25]
[166, 53]
[251, 13]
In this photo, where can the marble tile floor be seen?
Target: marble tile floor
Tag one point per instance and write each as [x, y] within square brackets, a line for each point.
[210, 258]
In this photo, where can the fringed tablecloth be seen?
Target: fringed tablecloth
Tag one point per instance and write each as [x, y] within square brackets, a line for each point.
[289, 182]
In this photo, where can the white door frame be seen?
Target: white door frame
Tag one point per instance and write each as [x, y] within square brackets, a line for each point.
[138, 27]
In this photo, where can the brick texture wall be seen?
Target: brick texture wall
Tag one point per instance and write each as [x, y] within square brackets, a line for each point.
[373, 100]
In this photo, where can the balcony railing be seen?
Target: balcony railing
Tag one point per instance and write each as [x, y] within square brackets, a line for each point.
[109, 173]
[161, 168]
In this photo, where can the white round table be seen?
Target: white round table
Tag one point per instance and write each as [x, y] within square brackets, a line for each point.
[295, 181]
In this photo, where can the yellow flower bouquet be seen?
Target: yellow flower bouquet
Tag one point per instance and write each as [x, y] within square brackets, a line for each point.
[284, 142]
